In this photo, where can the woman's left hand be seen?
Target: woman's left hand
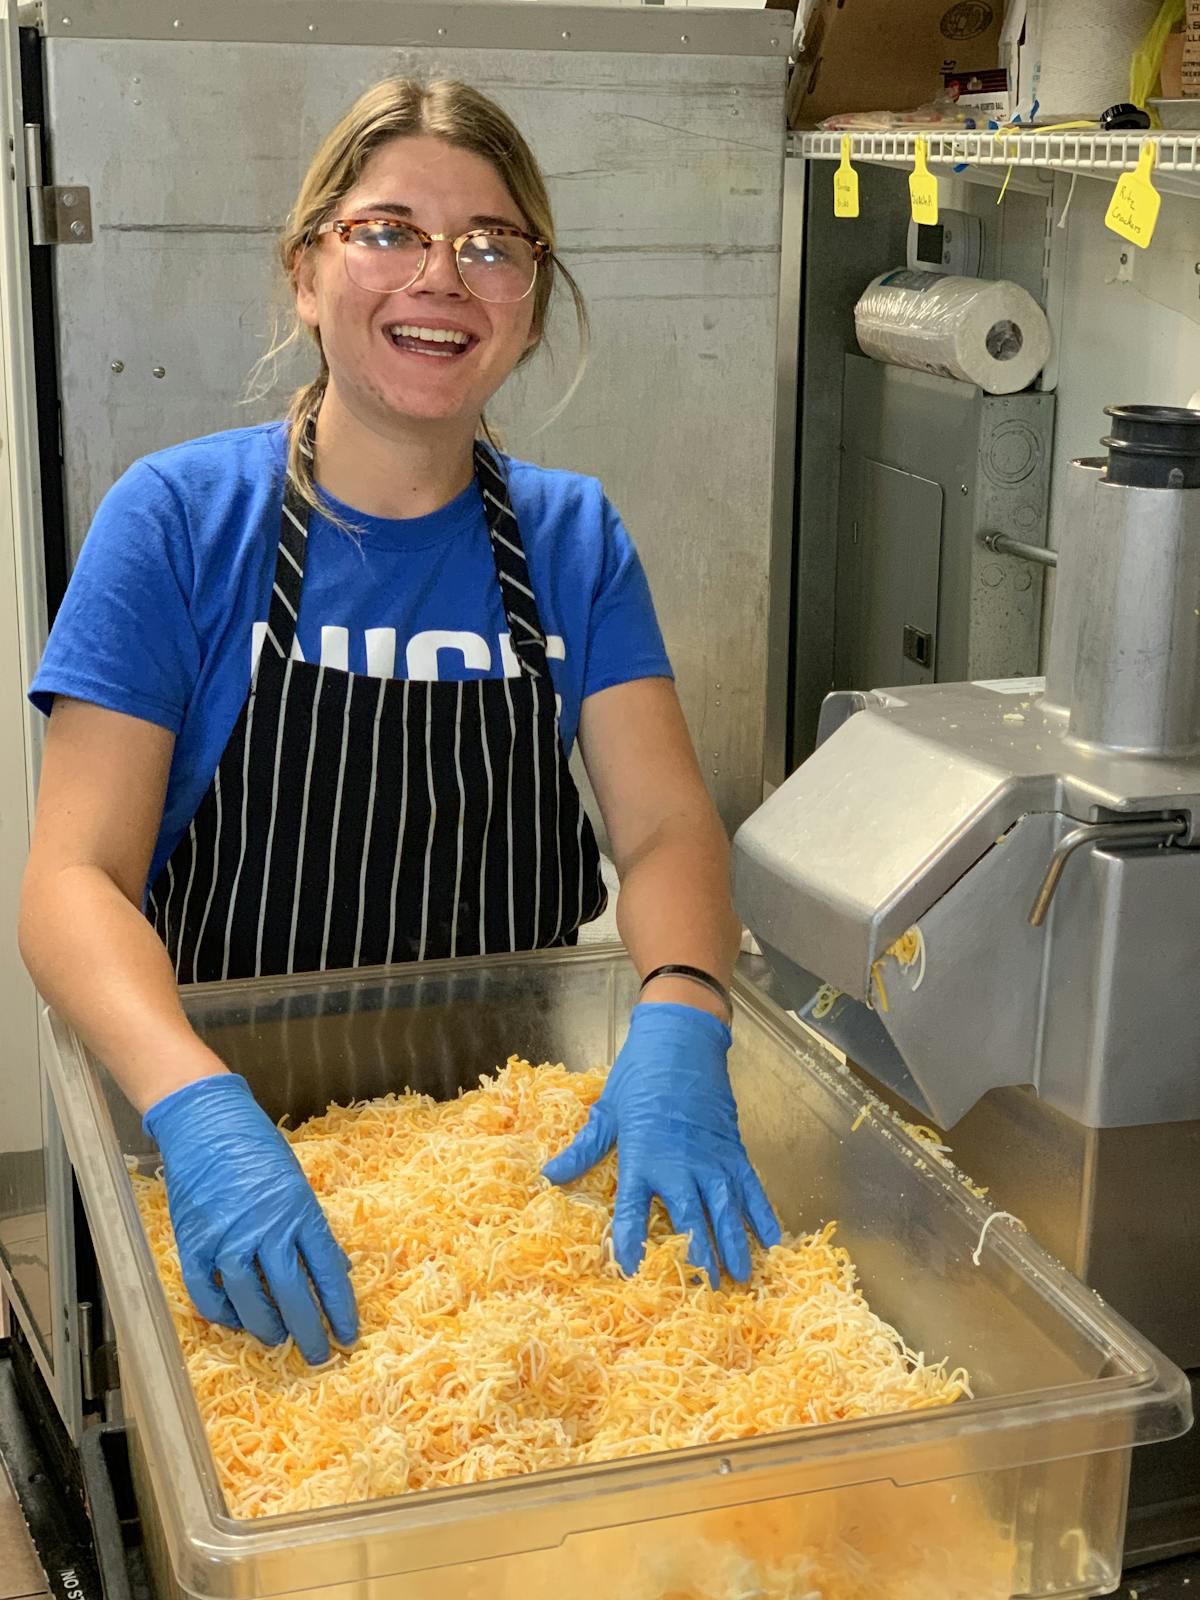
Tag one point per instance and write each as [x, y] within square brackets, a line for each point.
[670, 1111]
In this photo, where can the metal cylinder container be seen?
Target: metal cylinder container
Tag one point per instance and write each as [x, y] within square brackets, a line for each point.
[1074, 545]
[1136, 681]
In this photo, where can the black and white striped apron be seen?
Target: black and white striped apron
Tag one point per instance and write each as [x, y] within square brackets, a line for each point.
[355, 820]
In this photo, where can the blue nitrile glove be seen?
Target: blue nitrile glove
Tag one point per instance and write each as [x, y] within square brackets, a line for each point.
[240, 1203]
[669, 1108]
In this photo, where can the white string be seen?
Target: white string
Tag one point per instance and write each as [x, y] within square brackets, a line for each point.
[1066, 210]
[996, 1216]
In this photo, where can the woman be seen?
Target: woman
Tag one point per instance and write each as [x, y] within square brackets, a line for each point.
[312, 692]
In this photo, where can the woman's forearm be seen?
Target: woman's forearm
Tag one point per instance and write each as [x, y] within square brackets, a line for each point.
[101, 965]
[675, 907]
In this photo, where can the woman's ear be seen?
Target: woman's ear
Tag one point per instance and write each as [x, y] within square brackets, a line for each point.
[304, 284]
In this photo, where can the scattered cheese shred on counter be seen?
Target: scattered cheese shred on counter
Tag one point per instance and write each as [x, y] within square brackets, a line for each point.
[497, 1334]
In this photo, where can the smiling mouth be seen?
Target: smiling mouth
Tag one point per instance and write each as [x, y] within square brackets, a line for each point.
[440, 343]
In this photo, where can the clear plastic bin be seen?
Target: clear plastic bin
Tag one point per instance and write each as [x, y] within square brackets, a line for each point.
[1019, 1492]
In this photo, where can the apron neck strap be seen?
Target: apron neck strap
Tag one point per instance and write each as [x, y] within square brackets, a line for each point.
[512, 569]
[291, 554]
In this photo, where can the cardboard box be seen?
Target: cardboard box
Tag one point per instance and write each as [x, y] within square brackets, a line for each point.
[1021, 61]
[984, 95]
[1189, 71]
[878, 55]
[1172, 67]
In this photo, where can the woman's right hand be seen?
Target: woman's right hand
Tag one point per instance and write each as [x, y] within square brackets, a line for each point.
[241, 1205]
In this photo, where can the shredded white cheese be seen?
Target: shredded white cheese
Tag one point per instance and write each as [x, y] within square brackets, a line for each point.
[996, 1216]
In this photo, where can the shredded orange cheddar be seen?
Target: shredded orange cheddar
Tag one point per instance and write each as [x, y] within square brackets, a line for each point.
[908, 951]
[498, 1335]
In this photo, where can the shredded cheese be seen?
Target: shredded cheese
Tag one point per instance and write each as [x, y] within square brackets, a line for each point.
[825, 1000]
[498, 1335]
[929, 1137]
[877, 983]
[995, 1216]
[907, 951]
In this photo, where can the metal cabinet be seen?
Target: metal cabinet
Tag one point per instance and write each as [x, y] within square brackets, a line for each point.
[929, 467]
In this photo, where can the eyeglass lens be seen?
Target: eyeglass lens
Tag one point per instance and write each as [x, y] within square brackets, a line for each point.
[385, 257]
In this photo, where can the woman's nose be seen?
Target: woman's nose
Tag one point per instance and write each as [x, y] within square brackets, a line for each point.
[441, 272]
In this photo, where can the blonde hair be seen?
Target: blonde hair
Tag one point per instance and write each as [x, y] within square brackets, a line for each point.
[399, 108]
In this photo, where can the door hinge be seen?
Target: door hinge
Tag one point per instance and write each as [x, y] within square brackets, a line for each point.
[98, 1363]
[59, 213]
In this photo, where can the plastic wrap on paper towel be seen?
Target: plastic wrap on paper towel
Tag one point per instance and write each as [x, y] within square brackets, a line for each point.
[991, 333]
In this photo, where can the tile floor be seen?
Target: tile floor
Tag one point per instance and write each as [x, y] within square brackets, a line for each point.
[20, 1573]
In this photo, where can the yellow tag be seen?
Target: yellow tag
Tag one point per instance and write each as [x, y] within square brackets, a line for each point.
[845, 184]
[923, 187]
[1133, 212]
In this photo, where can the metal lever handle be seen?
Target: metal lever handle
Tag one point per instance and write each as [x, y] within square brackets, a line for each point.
[1116, 833]
[1003, 545]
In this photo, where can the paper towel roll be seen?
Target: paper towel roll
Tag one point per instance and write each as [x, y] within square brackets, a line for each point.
[987, 332]
[1083, 50]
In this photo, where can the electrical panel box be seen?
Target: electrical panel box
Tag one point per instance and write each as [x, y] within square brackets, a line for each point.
[930, 466]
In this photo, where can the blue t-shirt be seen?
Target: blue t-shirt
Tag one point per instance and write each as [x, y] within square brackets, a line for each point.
[168, 602]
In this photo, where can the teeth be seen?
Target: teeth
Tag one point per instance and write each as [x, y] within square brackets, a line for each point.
[409, 330]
